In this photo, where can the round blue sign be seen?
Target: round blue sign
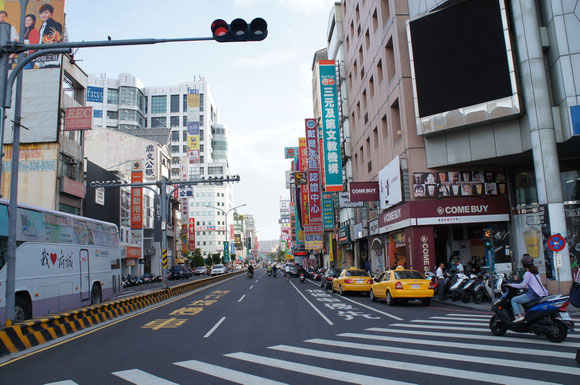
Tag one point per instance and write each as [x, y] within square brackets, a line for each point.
[556, 243]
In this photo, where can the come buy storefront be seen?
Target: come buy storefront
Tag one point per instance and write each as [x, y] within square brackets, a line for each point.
[421, 234]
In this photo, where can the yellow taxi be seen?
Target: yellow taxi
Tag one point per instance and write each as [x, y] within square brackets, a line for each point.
[352, 279]
[402, 285]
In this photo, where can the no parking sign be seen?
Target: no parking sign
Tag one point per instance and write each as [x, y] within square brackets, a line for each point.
[556, 243]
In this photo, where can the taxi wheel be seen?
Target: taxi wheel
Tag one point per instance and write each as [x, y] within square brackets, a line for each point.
[372, 296]
[390, 300]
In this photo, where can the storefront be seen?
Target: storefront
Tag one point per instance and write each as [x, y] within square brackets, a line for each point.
[422, 234]
[345, 249]
[377, 248]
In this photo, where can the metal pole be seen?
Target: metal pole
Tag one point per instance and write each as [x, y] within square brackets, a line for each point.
[11, 250]
[163, 199]
[4, 67]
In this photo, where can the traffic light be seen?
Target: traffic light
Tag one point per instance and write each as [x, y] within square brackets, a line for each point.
[487, 233]
[239, 30]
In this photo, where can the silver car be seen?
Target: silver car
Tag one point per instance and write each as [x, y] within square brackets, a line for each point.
[218, 269]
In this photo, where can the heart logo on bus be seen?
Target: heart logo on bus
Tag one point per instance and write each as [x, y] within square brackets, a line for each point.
[53, 258]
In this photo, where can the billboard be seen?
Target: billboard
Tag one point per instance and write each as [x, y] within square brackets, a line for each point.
[390, 191]
[137, 196]
[191, 233]
[364, 191]
[313, 168]
[45, 19]
[193, 126]
[78, 118]
[330, 126]
[290, 152]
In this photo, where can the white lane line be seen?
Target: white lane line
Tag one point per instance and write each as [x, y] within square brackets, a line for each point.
[373, 309]
[251, 287]
[427, 321]
[140, 377]
[470, 315]
[226, 374]
[411, 367]
[460, 345]
[449, 356]
[67, 382]
[314, 307]
[462, 319]
[256, 281]
[313, 370]
[241, 298]
[483, 337]
[214, 327]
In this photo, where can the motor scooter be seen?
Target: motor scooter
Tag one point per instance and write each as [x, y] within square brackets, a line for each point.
[269, 272]
[456, 287]
[250, 274]
[466, 290]
[302, 278]
[545, 316]
[274, 273]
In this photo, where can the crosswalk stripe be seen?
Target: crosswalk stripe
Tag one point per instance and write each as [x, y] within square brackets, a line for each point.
[450, 322]
[402, 365]
[461, 319]
[67, 382]
[470, 315]
[524, 339]
[225, 373]
[449, 356]
[460, 345]
[140, 377]
[313, 370]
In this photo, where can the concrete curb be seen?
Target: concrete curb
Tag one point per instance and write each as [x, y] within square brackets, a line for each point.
[24, 335]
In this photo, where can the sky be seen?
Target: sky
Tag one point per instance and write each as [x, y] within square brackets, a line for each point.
[263, 90]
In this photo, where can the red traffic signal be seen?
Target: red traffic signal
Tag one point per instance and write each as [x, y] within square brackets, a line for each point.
[239, 30]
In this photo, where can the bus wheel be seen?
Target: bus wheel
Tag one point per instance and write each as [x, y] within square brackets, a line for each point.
[96, 295]
[22, 308]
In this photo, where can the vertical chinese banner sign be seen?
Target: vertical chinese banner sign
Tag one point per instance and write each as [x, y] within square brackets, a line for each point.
[302, 166]
[193, 153]
[313, 231]
[137, 200]
[191, 229]
[330, 126]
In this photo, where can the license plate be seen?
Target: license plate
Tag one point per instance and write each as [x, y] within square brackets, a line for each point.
[360, 281]
[565, 316]
[415, 286]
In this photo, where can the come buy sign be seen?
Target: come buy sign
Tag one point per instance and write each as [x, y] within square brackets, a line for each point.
[78, 118]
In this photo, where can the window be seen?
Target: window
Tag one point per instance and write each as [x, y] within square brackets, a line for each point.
[175, 160]
[184, 102]
[397, 133]
[97, 113]
[174, 136]
[380, 71]
[174, 103]
[112, 96]
[159, 122]
[201, 148]
[184, 121]
[385, 13]
[201, 96]
[158, 104]
[384, 127]
[184, 135]
[185, 148]
[390, 56]
[200, 134]
[174, 149]
[376, 137]
[215, 170]
[201, 120]
[372, 87]
[174, 121]
[375, 21]
[112, 115]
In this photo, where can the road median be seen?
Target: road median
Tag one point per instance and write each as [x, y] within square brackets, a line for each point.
[34, 332]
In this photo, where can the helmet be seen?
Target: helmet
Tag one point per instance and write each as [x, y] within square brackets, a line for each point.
[527, 260]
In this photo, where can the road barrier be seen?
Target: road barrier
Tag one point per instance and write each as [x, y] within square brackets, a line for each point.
[25, 335]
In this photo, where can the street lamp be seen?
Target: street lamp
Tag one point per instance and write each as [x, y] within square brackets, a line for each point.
[226, 215]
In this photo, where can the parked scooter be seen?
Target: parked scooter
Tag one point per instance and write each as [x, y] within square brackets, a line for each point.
[468, 291]
[455, 289]
[544, 317]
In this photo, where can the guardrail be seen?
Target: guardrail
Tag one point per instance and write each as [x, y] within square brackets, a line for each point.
[25, 335]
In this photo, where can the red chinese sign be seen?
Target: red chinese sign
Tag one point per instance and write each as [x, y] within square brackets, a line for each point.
[313, 168]
[137, 196]
[191, 230]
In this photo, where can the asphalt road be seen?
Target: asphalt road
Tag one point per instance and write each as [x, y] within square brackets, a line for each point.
[268, 331]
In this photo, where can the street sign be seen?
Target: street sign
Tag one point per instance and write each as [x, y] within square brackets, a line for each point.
[226, 252]
[558, 260]
[556, 243]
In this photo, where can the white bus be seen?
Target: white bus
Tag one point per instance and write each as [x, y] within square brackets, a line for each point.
[63, 261]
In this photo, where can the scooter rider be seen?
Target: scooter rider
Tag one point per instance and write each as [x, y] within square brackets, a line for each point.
[251, 270]
[532, 283]
[270, 269]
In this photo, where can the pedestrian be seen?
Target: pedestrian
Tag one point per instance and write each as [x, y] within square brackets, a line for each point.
[458, 266]
[440, 283]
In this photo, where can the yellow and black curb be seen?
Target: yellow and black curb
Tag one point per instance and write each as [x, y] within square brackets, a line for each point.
[25, 335]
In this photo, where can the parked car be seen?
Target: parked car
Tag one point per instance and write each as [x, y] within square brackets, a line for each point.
[327, 277]
[218, 269]
[176, 272]
[352, 280]
[187, 272]
[402, 285]
[202, 270]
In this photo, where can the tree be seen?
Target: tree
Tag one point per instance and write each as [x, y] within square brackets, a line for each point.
[197, 259]
[216, 258]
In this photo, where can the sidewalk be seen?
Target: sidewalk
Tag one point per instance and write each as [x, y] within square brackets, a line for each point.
[485, 306]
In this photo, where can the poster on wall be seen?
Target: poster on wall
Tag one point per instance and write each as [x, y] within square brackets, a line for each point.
[459, 183]
[528, 236]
